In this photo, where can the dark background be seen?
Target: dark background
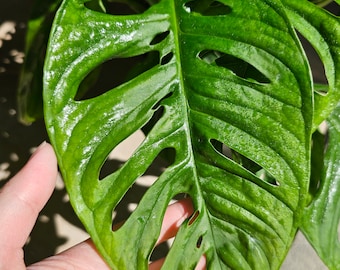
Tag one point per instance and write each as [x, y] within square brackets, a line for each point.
[17, 140]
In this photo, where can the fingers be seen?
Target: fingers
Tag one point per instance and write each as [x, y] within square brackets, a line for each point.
[23, 197]
[201, 263]
[174, 217]
[175, 214]
[158, 264]
[83, 256]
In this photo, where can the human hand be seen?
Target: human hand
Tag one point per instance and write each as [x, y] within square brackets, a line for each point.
[23, 197]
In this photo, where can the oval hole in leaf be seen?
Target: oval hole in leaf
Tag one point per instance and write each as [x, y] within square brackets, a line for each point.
[122, 152]
[234, 64]
[160, 251]
[136, 192]
[114, 73]
[207, 8]
[159, 38]
[193, 217]
[199, 241]
[159, 103]
[95, 5]
[119, 7]
[245, 162]
[319, 147]
[164, 159]
[159, 110]
[316, 64]
[167, 58]
[333, 8]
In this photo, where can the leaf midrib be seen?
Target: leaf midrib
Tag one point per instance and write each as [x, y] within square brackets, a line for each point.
[176, 31]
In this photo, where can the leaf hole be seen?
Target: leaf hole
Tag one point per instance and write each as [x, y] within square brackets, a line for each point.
[333, 7]
[245, 162]
[320, 140]
[95, 5]
[236, 65]
[114, 73]
[160, 251]
[193, 217]
[159, 110]
[164, 159]
[121, 153]
[167, 58]
[207, 8]
[199, 241]
[316, 65]
[130, 201]
[119, 7]
[159, 38]
[159, 103]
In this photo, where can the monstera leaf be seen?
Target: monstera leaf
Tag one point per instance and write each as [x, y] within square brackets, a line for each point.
[322, 217]
[322, 30]
[226, 88]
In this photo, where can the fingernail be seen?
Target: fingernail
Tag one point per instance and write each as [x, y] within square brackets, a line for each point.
[38, 149]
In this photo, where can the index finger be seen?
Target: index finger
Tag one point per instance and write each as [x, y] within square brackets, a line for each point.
[174, 216]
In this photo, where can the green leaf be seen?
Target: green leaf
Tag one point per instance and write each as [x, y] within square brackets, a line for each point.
[232, 79]
[30, 104]
[322, 217]
[322, 30]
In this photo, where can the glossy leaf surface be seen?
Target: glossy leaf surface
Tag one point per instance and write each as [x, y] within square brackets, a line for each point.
[230, 77]
[322, 30]
[321, 221]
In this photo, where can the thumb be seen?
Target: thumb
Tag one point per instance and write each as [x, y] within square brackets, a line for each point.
[23, 197]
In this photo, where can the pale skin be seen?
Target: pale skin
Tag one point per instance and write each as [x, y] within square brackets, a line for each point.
[24, 196]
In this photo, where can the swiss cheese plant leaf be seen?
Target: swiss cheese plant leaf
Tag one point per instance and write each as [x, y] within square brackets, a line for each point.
[322, 217]
[322, 30]
[228, 92]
